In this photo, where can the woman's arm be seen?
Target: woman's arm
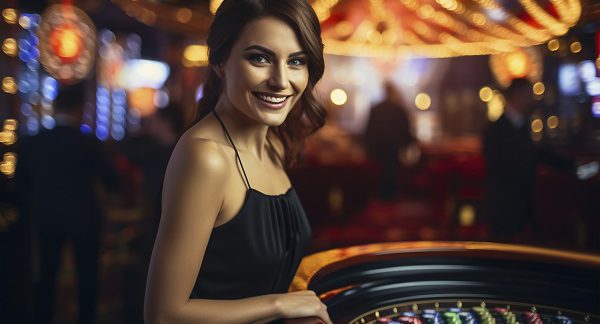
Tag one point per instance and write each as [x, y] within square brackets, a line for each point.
[192, 197]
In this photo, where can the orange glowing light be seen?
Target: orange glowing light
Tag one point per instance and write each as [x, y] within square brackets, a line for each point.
[66, 43]
[142, 99]
[518, 64]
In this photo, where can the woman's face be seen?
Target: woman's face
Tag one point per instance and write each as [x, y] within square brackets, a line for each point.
[266, 72]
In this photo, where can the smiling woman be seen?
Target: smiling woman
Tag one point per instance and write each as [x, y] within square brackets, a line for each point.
[232, 230]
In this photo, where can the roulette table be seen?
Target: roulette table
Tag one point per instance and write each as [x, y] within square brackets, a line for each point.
[454, 282]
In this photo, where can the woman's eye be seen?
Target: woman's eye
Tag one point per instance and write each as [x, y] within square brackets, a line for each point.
[258, 59]
[297, 62]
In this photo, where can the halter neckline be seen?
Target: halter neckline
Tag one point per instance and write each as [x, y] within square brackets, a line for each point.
[237, 154]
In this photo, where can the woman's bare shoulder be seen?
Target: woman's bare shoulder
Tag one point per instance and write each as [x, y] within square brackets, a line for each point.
[201, 153]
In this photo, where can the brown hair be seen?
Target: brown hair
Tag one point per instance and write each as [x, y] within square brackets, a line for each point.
[230, 20]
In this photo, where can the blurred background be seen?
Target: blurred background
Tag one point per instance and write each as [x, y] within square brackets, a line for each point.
[412, 88]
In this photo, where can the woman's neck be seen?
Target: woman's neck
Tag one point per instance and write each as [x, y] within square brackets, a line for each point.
[247, 134]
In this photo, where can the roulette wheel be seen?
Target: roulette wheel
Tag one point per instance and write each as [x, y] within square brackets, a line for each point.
[454, 282]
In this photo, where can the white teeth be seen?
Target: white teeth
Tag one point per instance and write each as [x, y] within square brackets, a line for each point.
[272, 99]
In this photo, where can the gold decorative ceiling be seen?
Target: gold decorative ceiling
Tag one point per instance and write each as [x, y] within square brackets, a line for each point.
[441, 28]
[403, 28]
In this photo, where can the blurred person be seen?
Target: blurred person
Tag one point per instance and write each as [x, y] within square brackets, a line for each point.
[232, 230]
[56, 175]
[511, 159]
[150, 152]
[387, 136]
[15, 258]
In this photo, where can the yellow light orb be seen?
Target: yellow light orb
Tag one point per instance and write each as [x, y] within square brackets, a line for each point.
[338, 97]
[183, 15]
[344, 28]
[575, 47]
[11, 124]
[517, 64]
[553, 45]
[539, 88]
[495, 106]
[9, 47]
[466, 215]
[552, 122]
[195, 55]
[423, 101]
[9, 85]
[7, 166]
[390, 37]
[374, 37]
[214, 5]
[7, 138]
[10, 15]
[478, 19]
[537, 125]
[486, 94]
[425, 11]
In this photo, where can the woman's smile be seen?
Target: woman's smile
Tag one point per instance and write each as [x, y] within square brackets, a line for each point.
[267, 71]
[271, 101]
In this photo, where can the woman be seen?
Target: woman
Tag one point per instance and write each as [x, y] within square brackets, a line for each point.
[232, 230]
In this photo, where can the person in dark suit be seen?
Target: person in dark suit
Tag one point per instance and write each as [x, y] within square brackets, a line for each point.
[387, 134]
[511, 159]
[56, 174]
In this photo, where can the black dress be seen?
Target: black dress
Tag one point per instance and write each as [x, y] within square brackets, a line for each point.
[258, 251]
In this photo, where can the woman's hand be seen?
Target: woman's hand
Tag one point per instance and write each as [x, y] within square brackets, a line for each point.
[302, 307]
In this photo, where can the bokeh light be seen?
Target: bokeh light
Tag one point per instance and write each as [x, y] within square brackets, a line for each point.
[195, 55]
[495, 106]
[537, 125]
[183, 15]
[486, 94]
[66, 42]
[9, 47]
[10, 124]
[539, 88]
[338, 97]
[517, 64]
[553, 45]
[552, 122]
[575, 47]
[9, 15]
[423, 101]
[9, 85]
[214, 5]
[466, 215]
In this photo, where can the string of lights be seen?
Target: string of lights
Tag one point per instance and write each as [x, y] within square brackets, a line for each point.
[426, 28]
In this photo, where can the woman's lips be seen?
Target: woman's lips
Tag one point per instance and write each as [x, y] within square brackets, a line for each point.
[271, 101]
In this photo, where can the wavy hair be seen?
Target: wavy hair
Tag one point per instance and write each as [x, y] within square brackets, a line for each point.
[230, 20]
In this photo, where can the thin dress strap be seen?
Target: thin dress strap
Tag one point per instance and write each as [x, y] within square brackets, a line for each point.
[237, 155]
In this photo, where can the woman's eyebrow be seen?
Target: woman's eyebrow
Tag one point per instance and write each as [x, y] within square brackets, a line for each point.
[270, 52]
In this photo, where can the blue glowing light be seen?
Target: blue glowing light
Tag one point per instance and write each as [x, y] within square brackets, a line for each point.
[85, 129]
[49, 87]
[118, 132]
[48, 122]
[26, 109]
[596, 107]
[33, 125]
[102, 133]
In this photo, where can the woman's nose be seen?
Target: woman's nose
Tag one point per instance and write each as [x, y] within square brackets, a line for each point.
[278, 79]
